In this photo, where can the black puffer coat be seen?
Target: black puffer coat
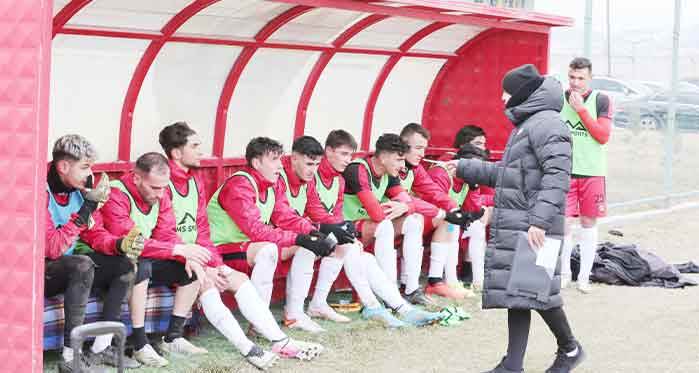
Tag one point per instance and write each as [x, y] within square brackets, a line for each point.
[531, 182]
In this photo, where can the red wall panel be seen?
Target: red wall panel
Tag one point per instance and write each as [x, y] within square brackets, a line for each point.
[468, 89]
[25, 52]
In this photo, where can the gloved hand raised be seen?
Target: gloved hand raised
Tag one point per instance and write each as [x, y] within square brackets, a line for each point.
[345, 232]
[463, 219]
[317, 242]
[100, 193]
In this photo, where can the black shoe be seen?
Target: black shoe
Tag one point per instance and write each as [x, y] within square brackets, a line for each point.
[565, 363]
[418, 297]
[500, 368]
[67, 366]
[110, 356]
[466, 273]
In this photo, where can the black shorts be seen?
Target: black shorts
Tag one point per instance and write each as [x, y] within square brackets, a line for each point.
[163, 272]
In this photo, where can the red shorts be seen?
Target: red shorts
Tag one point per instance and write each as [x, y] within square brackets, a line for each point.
[235, 255]
[587, 197]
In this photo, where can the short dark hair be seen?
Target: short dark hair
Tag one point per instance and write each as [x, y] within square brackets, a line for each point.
[580, 63]
[261, 146]
[390, 143]
[467, 151]
[413, 128]
[308, 146]
[152, 162]
[466, 134]
[338, 138]
[174, 136]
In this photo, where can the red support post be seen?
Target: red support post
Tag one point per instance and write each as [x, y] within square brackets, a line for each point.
[65, 14]
[320, 65]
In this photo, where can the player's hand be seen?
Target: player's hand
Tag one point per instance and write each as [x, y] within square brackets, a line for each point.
[536, 237]
[196, 268]
[576, 101]
[394, 209]
[216, 277]
[192, 252]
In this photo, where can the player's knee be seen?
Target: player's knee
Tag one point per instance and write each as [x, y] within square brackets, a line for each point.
[413, 223]
[384, 230]
[268, 253]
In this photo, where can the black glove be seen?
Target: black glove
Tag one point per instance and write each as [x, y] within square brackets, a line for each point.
[85, 212]
[344, 232]
[316, 242]
[463, 219]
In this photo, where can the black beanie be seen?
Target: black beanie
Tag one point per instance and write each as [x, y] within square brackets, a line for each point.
[520, 83]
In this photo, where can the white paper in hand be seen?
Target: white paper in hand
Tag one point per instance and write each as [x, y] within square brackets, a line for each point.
[547, 256]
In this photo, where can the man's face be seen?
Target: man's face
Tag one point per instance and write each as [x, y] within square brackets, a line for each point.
[74, 174]
[269, 165]
[478, 142]
[304, 166]
[190, 154]
[579, 79]
[394, 163]
[339, 157]
[151, 186]
[416, 152]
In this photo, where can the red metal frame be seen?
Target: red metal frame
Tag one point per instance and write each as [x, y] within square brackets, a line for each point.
[143, 67]
[383, 76]
[65, 14]
[237, 70]
[320, 65]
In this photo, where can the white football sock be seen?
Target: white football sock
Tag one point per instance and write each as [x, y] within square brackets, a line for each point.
[412, 251]
[257, 312]
[439, 252]
[385, 253]
[262, 276]
[330, 268]
[381, 285]
[588, 249]
[101, 342]
[298, 281]
[357, 276]
[476, 249]
[222, 319]
[566, 251]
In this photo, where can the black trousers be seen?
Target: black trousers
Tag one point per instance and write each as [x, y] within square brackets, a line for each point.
[518, 324]
[114, 276]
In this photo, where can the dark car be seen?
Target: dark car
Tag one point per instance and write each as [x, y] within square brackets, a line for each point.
[653, 110]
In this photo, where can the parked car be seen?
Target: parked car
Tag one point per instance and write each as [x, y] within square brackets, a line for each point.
[653, 111]
[619, 90]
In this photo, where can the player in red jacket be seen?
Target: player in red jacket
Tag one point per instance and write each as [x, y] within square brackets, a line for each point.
[187, 191]
[249, 214]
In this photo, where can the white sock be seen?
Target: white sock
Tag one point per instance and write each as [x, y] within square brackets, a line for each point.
[412, 251]
[101, 342]
[262, 276]
[381, 285]
[588, 249]
[565, 254]
[385, 253]
[298, 281]
[403, 272]
[450, 275]
[357, 276]
[257, 312]
[330, 268]
[438, 258]
[67, 354]
[222, 319]
[476, 249]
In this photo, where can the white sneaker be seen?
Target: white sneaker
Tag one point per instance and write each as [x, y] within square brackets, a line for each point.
[293, 349]
[148, 357]
[585, 287]
[303, 322]
[328, 313]
[182, 346]
[260, 358]
[565, 281]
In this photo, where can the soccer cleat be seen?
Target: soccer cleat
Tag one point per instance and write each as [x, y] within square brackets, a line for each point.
[67, 366]
[328, 313]
[148, 357]
[468, 292]
[302, 322]
[384, 316]
[419, 298]
[110, 356]
[500, 368]
[182, 346]
[453, 316]
[293, 349]
[260, 358]
[565, 363]
[443, 290]
[418, 317]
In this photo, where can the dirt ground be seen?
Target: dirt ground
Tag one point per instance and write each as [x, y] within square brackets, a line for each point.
[623, 329]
